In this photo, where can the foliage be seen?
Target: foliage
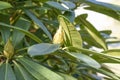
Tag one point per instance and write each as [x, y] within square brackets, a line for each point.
[31, 47]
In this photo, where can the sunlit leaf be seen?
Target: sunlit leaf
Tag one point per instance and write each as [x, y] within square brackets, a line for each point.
[92, 31]
[69, 4]
[42, 49]
[4, 5]
[71, 35]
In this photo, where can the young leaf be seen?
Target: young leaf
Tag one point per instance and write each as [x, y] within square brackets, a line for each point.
[38, 71]
[6, 72]
[4, 5]
[8, 49]
[17, 35]
[32, 36]
[21, 73]
[42, 49]
[86, 59]
[71, 35]
[92, 31]
[38, 22]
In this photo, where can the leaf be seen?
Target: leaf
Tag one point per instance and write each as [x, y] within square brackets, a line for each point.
[5, 32]
[38, 22]
[86, 59]
[6, 72]
[99, 56]
[4, 5]
[42, 49]
[8, 49]
[70, 15]
[32, 36]
[104, 8]
[113, 52]
[56, 5]
[71, 36]
[69, 4]
[21, 73]
[92, 31]
[67, 77]
[38, 71]
[17, 35]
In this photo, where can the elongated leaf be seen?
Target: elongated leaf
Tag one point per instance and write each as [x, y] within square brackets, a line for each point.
[4, 5]
[32, 36]
[72, 36]
[86, 59]
[42, 49]
[5, 32]
[56, 5]
[39, 71]
[101, 57]
[38, 22]
[104, 8]
[70, 15]
[21, 73]
[92, 31]
[113, 52]
[6, 72]
[67, 77]
[69, 4]
[17, 35]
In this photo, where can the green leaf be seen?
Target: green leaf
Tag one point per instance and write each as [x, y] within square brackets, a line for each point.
[4, 5]
[104, 8]
[67, 77]
[92, 31]
[21, 73]
[5, 32]
[32, 36]
[6, 72]
[72, 36]
[56, 5]
[69, 4]
[70, 15]
[38, 71]
[86, 59]
[17, 35]
[113, 52]
[99, 56]
[42, 49]
[38, 22]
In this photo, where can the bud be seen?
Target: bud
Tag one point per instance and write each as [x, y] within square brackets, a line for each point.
[58, 37]
[8, 49]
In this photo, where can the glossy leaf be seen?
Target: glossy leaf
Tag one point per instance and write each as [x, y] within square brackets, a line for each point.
[69, 4]
[17, 35]
[42, 49]
[70, 15]
[56, 5]
[71, 35]
[32, 36]
[92, 31]
[38, 22]
[6, 72]
[38, 71]
[86, 59]
[21, 73]
[4, 5]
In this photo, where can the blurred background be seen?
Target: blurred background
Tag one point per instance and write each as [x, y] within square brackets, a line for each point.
[103, 22]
